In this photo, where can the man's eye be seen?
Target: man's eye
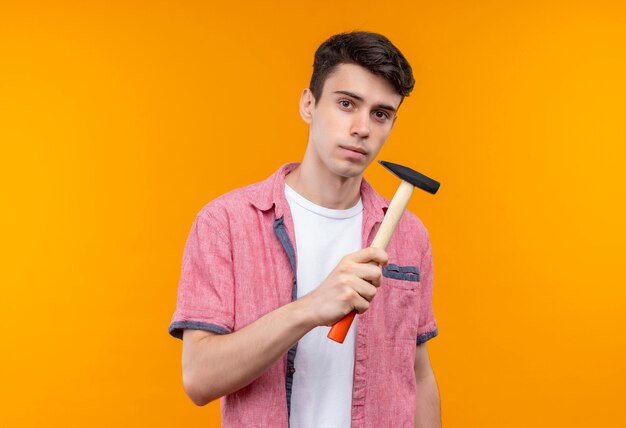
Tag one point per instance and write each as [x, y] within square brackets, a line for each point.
[381, 115]
[345, 103]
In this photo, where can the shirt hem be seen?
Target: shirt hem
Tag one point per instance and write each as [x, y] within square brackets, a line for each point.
[427, 336]
[176, 328]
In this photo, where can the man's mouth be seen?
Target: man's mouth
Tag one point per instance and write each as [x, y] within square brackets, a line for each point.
[357, 149]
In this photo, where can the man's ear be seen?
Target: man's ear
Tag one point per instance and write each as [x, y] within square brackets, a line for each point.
[307, 104]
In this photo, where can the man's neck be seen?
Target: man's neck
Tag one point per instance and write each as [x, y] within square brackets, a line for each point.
[324, 188]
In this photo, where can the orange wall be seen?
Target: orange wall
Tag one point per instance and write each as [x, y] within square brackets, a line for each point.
[120, 120]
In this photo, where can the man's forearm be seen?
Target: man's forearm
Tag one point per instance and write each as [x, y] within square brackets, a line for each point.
[427, 404]
[216, 365]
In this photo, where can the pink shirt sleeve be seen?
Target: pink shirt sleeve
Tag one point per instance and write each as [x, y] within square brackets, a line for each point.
[206, 288]
[427, 327]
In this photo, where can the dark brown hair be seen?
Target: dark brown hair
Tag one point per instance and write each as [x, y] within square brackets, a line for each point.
[371, 51]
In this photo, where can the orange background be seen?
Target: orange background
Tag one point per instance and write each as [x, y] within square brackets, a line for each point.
[120, 120]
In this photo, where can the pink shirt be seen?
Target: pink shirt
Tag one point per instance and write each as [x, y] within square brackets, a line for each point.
[239, 263]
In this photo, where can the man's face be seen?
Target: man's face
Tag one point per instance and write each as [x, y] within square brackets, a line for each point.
[351, 121]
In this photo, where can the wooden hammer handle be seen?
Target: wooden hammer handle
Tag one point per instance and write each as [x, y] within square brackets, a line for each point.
[398, 203]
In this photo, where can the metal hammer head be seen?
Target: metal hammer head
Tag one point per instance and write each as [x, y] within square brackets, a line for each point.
[412, 176]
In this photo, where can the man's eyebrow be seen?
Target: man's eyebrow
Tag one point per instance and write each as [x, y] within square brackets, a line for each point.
[360, 98]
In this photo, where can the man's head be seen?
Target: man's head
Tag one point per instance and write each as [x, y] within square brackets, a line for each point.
[358, 84]
[372, 51]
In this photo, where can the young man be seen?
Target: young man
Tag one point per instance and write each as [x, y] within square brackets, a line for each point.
[267, 268]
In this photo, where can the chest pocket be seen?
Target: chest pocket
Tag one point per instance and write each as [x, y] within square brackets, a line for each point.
[407, 277]
[400, 295]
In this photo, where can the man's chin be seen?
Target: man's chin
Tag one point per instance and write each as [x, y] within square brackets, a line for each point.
[350, 169]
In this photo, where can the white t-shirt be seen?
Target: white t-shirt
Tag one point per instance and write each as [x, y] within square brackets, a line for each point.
[322, 384]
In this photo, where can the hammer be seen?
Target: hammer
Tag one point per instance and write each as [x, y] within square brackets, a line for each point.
[410, 179]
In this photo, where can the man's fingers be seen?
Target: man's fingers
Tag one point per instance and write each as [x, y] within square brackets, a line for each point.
[365, 289]
[361, 305]
[371, 273]
[369, 254]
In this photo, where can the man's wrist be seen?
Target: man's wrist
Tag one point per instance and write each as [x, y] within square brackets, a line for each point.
[302, 314]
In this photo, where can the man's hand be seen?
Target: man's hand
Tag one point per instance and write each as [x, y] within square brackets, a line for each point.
[350, 286]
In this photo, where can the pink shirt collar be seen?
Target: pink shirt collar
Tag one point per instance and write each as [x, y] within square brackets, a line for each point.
[271, 193]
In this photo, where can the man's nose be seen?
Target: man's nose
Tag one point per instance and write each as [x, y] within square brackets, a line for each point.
[361, 126]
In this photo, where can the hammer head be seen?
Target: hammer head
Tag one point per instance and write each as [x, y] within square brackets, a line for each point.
[412, 176]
